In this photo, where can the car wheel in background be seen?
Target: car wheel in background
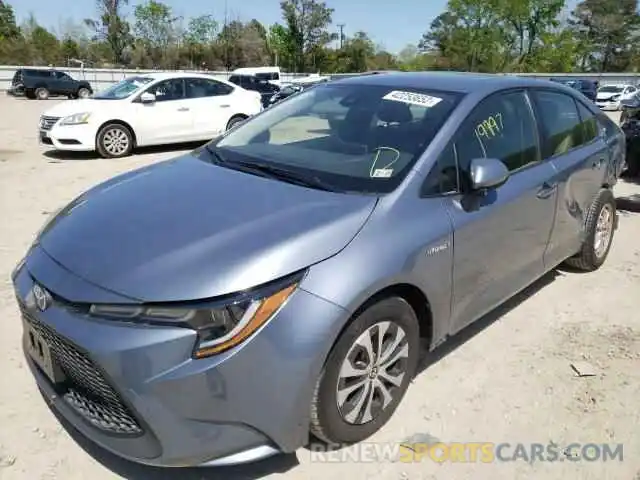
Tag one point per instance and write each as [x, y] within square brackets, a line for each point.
[367, 373]
[42, 93]
[235, 120]
[114, 140]
[84, 93]
[599, 228]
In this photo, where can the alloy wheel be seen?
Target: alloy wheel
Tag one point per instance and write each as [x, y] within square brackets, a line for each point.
[115, 141]
[372, 372]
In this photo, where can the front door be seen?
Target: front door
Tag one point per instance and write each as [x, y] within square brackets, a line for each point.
[499, 238]
[167, 120]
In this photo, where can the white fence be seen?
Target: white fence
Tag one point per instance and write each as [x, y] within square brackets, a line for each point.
[102, 78]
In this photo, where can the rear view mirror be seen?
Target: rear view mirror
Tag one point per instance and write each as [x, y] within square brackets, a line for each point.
[487, 173]
[147, 97]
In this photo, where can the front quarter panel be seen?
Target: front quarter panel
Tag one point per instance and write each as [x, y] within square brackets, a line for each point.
[408, 242]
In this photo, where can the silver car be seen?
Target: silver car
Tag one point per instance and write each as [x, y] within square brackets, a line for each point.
[219, 307]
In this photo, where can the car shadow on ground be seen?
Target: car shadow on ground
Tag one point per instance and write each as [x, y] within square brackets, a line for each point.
[629, 203]
[57, 156]
[134, 471]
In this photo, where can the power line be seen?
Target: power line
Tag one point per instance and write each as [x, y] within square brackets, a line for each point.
[341, 27]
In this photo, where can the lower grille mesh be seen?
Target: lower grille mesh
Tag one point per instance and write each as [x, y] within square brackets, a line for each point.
[85, 388]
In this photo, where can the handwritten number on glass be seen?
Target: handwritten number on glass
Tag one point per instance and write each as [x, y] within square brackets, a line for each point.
[490, 127]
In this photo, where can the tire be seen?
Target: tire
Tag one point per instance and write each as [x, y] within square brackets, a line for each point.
[114, 140]
[83, 93]
[235, 121]
[599, 228]
[42, 93]
[337, 423]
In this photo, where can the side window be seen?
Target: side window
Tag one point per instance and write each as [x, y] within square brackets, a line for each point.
[202, 87]
[559, 121]
[443, 177]
[501, 127]
[589, 124]
[168, 90]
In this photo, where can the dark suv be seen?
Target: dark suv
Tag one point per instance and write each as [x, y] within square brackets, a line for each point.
[43, 83]
[251, 82]
[589, 88]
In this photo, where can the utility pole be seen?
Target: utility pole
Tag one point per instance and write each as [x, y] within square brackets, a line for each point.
[341, 27]
[226, 36]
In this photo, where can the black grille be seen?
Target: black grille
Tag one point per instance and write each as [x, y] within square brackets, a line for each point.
[85, 388]
[46, 123]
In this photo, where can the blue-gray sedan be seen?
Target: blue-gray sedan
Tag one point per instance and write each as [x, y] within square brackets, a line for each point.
[220, 307]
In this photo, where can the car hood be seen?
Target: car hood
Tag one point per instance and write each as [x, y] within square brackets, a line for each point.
[187, 229]
[70, 107]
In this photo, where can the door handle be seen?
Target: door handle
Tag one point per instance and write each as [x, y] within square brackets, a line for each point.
[225, 106]
[546, 190]
[183, 109]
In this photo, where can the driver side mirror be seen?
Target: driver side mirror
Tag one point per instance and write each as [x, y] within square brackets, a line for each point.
[147, 97]
[487, 173]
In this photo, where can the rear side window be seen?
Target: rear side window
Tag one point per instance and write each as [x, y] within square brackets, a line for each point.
[501, 127]
[559, 121]
[588, 124]
[268, 76]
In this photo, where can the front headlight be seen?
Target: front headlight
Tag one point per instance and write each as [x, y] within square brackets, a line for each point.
[76, 119]
[220, 325]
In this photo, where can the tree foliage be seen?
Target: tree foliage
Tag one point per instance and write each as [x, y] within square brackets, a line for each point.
[469, 35]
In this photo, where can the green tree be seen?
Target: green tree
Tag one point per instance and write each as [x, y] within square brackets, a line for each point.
[112, 27]
[307, 22]
[8, 28]
[608, 28]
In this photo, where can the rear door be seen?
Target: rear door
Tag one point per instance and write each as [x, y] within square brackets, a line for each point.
[211, 103]
[572, 143]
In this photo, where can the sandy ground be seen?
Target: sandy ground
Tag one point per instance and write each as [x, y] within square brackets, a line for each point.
[511, 382]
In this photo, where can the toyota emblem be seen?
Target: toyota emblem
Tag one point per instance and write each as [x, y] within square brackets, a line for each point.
[41, 296]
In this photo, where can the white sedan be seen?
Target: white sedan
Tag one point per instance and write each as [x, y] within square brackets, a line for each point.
[149, 109]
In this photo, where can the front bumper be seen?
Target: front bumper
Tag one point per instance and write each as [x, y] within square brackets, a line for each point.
[76, 138]
[242, 405]
[608, 104]
[16, 91]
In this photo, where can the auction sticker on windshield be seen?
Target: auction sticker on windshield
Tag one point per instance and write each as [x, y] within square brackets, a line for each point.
[412, 98]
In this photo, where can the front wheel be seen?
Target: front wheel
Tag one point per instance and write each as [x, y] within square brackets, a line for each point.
[114, 140]
[367, 373]
[599, 228]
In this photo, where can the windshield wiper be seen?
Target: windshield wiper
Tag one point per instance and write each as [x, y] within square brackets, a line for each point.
[283, 174]
[269, 171]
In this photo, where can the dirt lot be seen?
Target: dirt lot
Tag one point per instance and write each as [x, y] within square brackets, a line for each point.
[511, 382]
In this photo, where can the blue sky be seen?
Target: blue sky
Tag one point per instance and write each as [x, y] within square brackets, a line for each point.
[393, 25]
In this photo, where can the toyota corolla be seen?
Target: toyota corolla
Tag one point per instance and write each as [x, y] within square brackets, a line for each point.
[219, 307]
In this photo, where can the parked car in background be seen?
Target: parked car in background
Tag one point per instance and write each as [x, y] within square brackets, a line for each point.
[269, 74]
[630, 124]
[587, 87]
[294, 87]
[609, 97]
[39, 83]
[150, 109]
[280, 280]
[265, 88]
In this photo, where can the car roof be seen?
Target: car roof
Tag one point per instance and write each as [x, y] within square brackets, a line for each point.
[169, 75]
[459, 82]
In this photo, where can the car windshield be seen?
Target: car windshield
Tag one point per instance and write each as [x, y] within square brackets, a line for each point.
[352, 137]
[122, 89]
[611, 89]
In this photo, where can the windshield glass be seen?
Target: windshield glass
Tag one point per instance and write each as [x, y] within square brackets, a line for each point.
[611, 89]
[122, 89]
[357, 138]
